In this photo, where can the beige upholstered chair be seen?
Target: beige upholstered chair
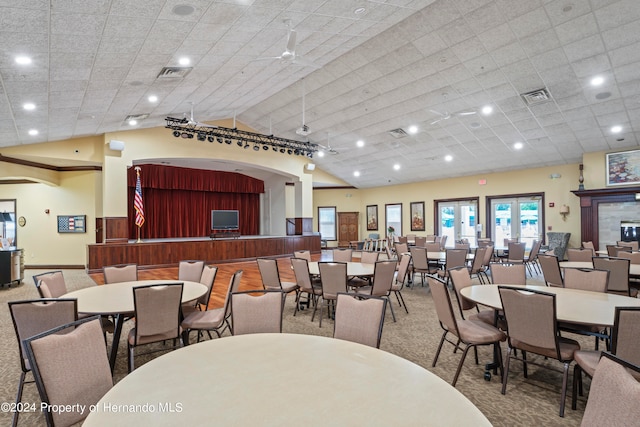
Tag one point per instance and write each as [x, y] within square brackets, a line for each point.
[624, 344]
[516, 252]
[471, 333]
[359, 319]
[455, 258]
[586, 279]
[477, 264]
[531, 316]
[508, 274]
[618, 274]
[488, 256]
[465, 246]
[120, 273]
[614, 396]
[614, 250]
[157, 314]
[551, 270]
[420, 241]
[32, 317]
[420, 263]
[531, 260]
[342, 255]
[190, 270]
[271, 277]
[580, 255]
[305, 254]
[433, 247]
[333, 277]
[461, 279]
[54, 285]
[403, 239]
[257, 311]
[71, 367]
[369, 257]
[484, 243]
[383, 277]
[216, 320]
[633, 245]
[399, 280]
[207, 278]
[401, 248]
[634, 257]
[589, 245]
[307, 285]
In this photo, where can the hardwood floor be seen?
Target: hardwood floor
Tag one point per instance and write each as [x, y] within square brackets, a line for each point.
[250, 277]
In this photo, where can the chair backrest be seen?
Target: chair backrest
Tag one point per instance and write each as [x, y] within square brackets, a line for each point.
[269, 273]
[531, 316]
[157, 311]
[234, 286]
[508, 240]
[70, 368]
[465, 246]
[484, 242]
[624, 336]
[516, 251]
[551, 270]
[369, 257]
[419, 257]
[190, 270]
[634, 257]
[618, 273]
[401, 248]
[207, 278]
[383, 274]
[614, 250]
[535, 250]
[478, 259]
[633, 245]
[54, 287]
[589, 245]
[443, 241]
[403, 269]
[120, 273]
[402, 239]
[333, 277]
[580, 255]
[614, 394]
[431, 237]
[32, 317]
[359, 319]
[461, 279]
[442, 301]
[301, 271]
[305, 254]
[488, 255]
[508, 274]
[420, 240]
[342, 255]
[257, 311]
[586, 279]
[433, 247]
[456, 258]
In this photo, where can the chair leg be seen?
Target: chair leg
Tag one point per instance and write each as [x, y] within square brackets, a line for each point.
[435, 359]
[131, 367]
[14, 420]
[393, 315]
[185, 337]
[475, 351]
[524, 364]
[577, 377]
[464, 355]
[404, 304]
[565, 380]
[506, 372]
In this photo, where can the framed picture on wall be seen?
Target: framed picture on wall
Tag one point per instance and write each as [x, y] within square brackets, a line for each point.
[417, 216]
[623, 168]
[372, 217]
[72, 223]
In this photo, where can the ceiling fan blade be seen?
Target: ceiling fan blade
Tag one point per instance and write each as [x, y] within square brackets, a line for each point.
[291, 41]
[438, 113]
[436, 121]
[268, 58]
[467, 113]
[299, 60]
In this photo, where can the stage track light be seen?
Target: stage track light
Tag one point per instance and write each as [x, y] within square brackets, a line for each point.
[297, 152]
[228, 141]
[265, 147]
[289, 151]
[256, 148]
[275, 148]
[239, 143]
[176, 134]
[186, 135]
[282, 150]
[202, 137]
[246, 146]
[211, 139]
[220, 140]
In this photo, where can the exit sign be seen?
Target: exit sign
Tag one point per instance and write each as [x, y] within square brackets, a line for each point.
[482, 182]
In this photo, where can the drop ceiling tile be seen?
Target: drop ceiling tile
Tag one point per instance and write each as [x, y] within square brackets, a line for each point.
[622, 35]
[617, 14]
[530, 23]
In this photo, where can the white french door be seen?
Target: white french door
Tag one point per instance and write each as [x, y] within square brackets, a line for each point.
[457, 220]
[519, 217]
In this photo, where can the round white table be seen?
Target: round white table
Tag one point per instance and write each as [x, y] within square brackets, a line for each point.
[572, 305]
[353, 269]
[283, 379]
[634, 269]
[116, 299]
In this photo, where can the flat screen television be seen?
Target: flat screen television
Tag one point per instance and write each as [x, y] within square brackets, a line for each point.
[224, 220]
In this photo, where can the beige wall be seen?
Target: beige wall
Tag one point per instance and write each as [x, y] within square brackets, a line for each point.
[514, 182]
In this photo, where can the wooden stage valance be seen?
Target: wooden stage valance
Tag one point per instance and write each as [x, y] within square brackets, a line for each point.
[154, 254]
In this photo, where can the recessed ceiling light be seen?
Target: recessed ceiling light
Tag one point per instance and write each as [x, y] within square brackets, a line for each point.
[184, 61]
[360, 11]
[360, 143]
[153, 98]
[29, 106]
[616, 129]
[23, 60]
[133, 122]
[448, 157]
[396, 167]
[518, 145]
[33, 132]
[320, 153]
[183, 9]
[487, 109]
[597, 81]
[413, 129]
[356, 173]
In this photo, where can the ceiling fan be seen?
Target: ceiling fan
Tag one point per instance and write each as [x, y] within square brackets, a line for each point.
[289, 55]
[446, 115]
[327, 148]
[304, 129]
[191, 121]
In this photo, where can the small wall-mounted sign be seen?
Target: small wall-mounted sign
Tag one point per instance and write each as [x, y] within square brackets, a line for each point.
[72, 223]
[551, 204]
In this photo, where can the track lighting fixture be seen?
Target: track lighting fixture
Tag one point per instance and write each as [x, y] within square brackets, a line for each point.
[256, 148]
[202, 137]
[176, 134]
[239, 143]
[211, 139]
[228, 141]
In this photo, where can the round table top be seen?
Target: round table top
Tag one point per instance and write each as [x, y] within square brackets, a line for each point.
[283, 379]
[117, 298]
[353, 269]
[572, 305]
[634, 269]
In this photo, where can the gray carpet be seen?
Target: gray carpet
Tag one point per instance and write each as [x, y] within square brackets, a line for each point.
[415, 336]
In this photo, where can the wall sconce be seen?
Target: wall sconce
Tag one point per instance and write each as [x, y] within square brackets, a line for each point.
[564, 211]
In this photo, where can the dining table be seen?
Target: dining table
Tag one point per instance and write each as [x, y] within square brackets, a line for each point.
[359, 269]
[634, 269]
[282, 379]
[572, 305]
[116, 299]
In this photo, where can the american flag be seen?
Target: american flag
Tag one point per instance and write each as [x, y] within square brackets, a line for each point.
[138, 206]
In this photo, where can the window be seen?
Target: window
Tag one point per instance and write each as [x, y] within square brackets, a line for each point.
[457, 220]
[327, 222]
[393, 218]
[520, 216]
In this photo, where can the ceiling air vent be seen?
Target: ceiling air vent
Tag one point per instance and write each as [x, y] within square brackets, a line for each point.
[174, 72]
[537, 96]
[398, 133]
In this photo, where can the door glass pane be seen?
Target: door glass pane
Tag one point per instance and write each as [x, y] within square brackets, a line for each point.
[529, 221]
[447, 224]
[327, 223]
[393, 219]
[457, 220]
[502, 215]
[468, 223]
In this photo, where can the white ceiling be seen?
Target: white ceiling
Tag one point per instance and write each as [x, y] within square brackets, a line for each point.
[96, 61]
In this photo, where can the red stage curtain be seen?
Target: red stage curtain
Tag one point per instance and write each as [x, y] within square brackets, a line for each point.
[178, 201]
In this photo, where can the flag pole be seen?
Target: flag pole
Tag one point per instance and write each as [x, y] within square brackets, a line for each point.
[138, 213]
